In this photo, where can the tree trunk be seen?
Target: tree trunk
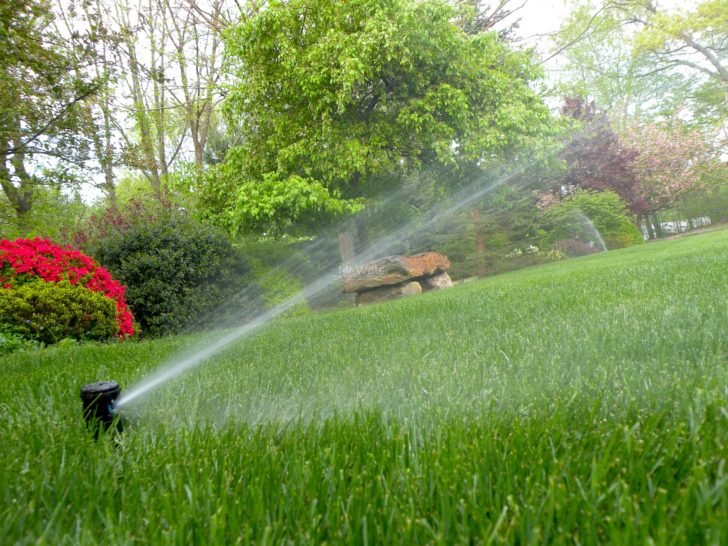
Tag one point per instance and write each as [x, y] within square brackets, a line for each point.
[362, 234]
[640, 225]
[158, 96]
[479, 243]
[346, 248]
[679, 221]
[145, 132]
[20, 197]
[658, 226]
[198, 94]
[362, 230]
[650, 229]
[103, 149]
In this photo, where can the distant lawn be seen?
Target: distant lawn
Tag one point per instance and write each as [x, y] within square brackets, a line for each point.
[581, 402]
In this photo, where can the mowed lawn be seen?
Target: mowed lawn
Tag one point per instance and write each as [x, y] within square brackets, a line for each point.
[582, 402]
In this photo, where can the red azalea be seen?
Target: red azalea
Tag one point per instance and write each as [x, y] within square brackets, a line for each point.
[24, 259]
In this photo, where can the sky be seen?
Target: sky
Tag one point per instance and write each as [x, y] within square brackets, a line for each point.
[539, 17]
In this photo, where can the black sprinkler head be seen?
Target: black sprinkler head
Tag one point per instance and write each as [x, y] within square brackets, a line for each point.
[98, 406]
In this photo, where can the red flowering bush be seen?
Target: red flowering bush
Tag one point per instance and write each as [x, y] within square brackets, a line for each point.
[26, 260]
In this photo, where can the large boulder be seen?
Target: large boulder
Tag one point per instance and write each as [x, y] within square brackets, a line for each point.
[386, 293]
[393, 270]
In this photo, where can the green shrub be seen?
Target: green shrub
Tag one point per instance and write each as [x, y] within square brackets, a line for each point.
[9, 343]
[49, 312]
[570, 219]
[175, 270]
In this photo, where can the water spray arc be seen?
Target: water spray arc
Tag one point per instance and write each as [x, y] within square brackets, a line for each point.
[590, 231]
[381, 247]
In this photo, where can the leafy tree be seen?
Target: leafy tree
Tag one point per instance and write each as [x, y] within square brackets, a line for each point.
[476, 16]
[98, 113]
[55, 211]
[158, 65]
[478, 241]
[693, 39]
[671, 163]
[332, 95]
[600, 62]
[636, 57]
[709, 200]
[597, 159]
[40, 98]
[649, 166]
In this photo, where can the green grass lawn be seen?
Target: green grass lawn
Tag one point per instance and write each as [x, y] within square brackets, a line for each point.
[578, 403]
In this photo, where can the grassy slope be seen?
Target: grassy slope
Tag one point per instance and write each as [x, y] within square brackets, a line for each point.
[585, 401]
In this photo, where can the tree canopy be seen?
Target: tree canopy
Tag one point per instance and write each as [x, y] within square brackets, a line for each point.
[642, 58]
[281, 118]
[331, 94]
[40, 97]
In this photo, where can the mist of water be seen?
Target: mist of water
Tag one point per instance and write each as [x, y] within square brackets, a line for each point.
[589, 231]
[384, 245]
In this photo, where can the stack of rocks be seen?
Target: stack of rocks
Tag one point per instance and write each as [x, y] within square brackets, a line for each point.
[396, 276]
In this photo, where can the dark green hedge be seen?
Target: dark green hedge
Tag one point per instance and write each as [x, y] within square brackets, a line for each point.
[176, 272]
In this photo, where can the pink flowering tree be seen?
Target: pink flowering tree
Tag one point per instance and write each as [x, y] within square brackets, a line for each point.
[670, 163]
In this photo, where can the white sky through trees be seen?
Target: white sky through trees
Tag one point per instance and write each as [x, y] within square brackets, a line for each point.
[539, 17]
[538, 20]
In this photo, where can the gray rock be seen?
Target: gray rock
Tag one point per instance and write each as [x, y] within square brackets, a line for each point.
[436, 282]
[387, 293]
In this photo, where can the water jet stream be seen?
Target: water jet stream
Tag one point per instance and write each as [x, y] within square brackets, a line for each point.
[382, 247]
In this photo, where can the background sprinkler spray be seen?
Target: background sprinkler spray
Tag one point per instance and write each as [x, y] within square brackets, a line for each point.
[98, 406]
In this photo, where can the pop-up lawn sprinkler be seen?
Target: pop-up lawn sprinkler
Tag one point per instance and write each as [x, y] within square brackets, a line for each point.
[98, 406]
